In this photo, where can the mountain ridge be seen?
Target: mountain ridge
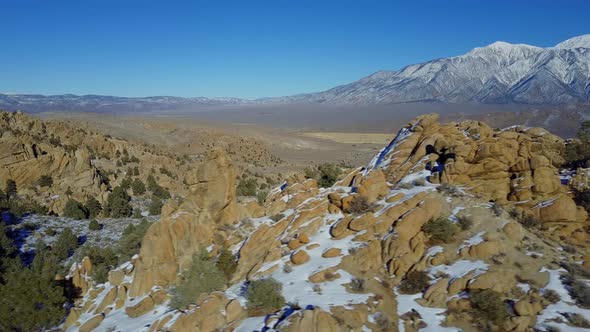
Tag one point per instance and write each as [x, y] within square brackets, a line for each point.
[498, 73]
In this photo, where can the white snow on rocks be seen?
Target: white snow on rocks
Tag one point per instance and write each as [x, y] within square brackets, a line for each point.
[565, 305]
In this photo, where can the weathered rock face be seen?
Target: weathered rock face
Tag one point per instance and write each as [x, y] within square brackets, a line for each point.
[25, 156]
[169, 244]
[517, 164]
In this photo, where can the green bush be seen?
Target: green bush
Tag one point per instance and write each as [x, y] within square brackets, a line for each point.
[20, 207]
[359, 205]
[529, 221]
[202, 277]
[118, 204]
[582, 197]
[576, 154]
[489, 306]
[577, 320]
[264, 296]
[45, 181]
[227, 263]
[440, 230]
[246, 187]
[10, 188]
[126, 183]
[551, 296]
[74, 210]
[130, 241]
[94, 225]
[138, 187]
[358, 285]
[261, 197]
[414, 282]
[30, 299]
[277, 217]
[92, 207]
[103, 260]
[580, 291]
[464, 222]
[65, 244]
[328, 174]
[156, 189]
[155, 207]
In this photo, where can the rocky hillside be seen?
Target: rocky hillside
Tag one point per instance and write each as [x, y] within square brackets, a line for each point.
[450, 227]
[80, 162]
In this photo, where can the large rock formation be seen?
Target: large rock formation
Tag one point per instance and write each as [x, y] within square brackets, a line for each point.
[345, 255]
[169, 245]
[517, 165]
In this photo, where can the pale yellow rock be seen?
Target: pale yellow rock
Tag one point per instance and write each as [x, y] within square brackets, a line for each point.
[116, 277]
[332, 252]
[91, 323]
[140, 308]
[299, 257]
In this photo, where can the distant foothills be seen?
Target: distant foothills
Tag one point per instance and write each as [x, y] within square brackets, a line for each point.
[500, 73]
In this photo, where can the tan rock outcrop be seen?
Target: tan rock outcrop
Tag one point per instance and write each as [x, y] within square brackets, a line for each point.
[299, 257]
[314, 320]
[91, 323]
[169, 244]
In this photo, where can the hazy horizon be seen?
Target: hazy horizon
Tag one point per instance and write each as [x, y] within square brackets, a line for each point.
[253, 50]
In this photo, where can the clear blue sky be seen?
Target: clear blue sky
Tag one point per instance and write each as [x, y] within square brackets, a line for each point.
[252, 48]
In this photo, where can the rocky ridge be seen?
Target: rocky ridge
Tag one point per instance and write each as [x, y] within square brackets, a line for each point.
[342, 265]
[80, 160]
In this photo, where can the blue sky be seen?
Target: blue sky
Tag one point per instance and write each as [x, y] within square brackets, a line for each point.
[252, 49]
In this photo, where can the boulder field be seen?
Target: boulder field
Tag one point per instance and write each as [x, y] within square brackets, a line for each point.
[347, 256]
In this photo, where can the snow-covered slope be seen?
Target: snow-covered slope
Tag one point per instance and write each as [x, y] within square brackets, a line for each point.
[497, 73]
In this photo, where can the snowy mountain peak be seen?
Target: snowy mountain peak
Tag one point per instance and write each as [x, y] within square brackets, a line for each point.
[504, 48]
[576, 42]
[497, 73]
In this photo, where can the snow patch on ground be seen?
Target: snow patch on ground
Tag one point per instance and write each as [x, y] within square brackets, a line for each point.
[474, 240]
[566, 304]
[434, 317]
[460, 268]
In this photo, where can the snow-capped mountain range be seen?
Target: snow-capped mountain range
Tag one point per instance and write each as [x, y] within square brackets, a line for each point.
[497, 73]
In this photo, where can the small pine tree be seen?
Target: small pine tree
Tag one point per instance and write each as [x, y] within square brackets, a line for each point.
[155, 207]
[138, 187]
[94, 225]
[45, 181]
[65, 244]
[264, 296]
[328, 174]
[202, 277]
[11, 188]
[93, 207]
[440, 230]
[3, 199]
[246, 187]
[126, 183]
[227, 263]
[584, 131]
[74, 210]
[130, 241]
[118, 204]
